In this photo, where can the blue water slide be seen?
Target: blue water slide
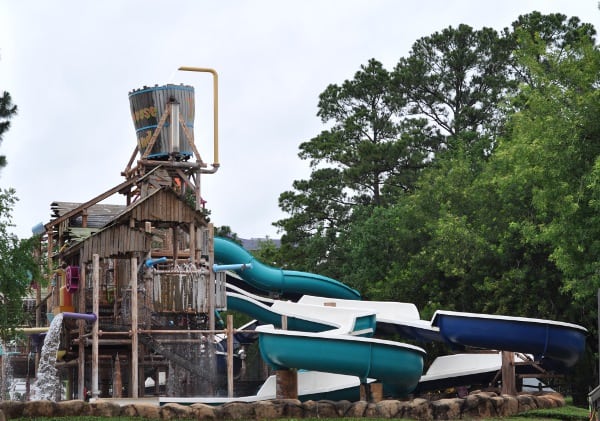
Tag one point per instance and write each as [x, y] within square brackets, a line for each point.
[268, 278]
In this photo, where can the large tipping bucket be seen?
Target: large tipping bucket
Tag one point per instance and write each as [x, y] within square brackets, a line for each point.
[147, 107]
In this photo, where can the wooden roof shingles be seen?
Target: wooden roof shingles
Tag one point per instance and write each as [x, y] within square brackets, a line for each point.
[116, 237]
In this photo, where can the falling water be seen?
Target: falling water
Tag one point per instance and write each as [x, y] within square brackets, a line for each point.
[182, 382]
[7, 385]
[47, 385]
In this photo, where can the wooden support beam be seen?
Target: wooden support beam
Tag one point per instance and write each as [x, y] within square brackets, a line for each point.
[81, 328]
[96, 310]
[161, 123]
[286, 384]
[185, 178]
[134, 329]
[79, 209]
[128, 171]
[371, 392]
[117, 380]
[175, 231]
[211, 279]
[230, 355]
[190, 137]
[509, 385]
[192, 243]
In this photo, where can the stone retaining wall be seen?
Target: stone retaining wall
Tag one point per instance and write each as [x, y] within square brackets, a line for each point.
[475, 405]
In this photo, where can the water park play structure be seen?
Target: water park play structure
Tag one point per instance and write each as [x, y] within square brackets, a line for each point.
[140, 289]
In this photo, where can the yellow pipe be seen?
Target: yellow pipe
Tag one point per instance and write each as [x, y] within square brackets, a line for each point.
[215, 107]
[32, 330]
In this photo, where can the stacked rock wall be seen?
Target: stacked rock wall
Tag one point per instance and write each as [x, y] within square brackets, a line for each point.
[475, 405]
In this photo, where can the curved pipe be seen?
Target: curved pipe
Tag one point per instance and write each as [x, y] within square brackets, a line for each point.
[33, 330]
[268, 278]
[88, 317]
[240, 266]
[152, 262]
[215, 108]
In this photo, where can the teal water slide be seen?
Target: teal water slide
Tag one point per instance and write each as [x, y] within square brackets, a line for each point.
[271, 279]
[302, 317]
[397, 365]
[317, 345]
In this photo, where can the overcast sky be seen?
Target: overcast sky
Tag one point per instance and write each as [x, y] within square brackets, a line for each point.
[69, 66]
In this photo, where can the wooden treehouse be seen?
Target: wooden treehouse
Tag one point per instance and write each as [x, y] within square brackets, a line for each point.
[143, 268]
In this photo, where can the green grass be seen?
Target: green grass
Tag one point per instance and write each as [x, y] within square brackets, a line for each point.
[566, 413]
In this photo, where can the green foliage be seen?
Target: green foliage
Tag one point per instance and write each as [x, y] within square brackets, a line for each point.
[7, 111]
[226, 232]
[457, 78]
[17, 269]
[364, 142]
[268, 253]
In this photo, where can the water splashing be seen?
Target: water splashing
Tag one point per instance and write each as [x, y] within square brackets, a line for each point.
[7, 386]
[47, 385]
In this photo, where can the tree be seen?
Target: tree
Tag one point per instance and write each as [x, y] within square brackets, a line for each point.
[268, 252]
[366, 146]
[452, 84]
[456, 79]
[553, 152]
[545, 177]
[226, 232]
[365, 141]
[7, 111]
[17, 269]
[554, 32]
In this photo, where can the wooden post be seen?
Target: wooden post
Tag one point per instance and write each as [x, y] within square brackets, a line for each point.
[3, 386]
[38, 290]
[81, 346]
[212, 366]
[134, 329]
[286, 384]
[197, 189]
[96, 310]
[192, 243]
[211, 280]
[230, 355]
[50, 250]
[175, 231]
[157, 382]
[117, 380]
[509, 386]
[371, 392]
[27, 379]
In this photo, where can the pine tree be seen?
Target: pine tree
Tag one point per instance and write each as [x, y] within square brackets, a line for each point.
[7, 111]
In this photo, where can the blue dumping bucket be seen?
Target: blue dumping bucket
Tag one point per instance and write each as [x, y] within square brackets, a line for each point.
[147, 107]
